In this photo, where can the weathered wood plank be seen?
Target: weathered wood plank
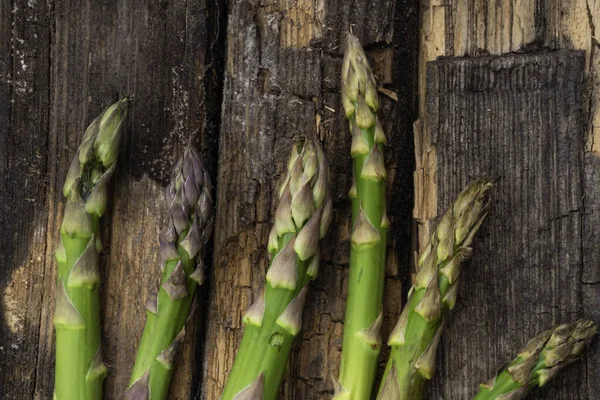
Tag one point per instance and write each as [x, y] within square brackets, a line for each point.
[469, 28]
[24, 203]
[168, 57]
[281, 81]
[518, 120]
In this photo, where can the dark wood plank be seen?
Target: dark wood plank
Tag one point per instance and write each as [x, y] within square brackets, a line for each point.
[281, 81]
[24, 142]
[468, 28]
[69, 61]
[517, 119]
[591, 263]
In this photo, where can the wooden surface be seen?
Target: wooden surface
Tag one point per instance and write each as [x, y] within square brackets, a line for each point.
[457, 28]
[282, 81]
[517, 120]
[61, 63]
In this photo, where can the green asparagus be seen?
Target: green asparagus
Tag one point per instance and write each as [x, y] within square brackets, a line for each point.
[80, 370]
[539, 361]
[275, 319]
[415, 338]
[188, 229]
[363, 317]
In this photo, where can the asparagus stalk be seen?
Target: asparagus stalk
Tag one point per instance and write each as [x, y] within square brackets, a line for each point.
[363, 317]
[415, 338]
[80, 370]
[275, 319]
[182, 242]
[539, 361]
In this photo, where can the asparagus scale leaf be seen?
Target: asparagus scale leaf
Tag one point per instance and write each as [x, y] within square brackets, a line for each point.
[272, 323]
[79, 367]
[182, 244]
[542, 358]
[363, 316]
[416, 336]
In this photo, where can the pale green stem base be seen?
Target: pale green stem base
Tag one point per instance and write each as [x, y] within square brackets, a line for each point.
[365, 289]
[76, 348]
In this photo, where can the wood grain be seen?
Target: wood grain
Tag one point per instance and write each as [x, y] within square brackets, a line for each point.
[456, 28]
[279, 84]
[518, 120]
[61, 63]
[24, 187]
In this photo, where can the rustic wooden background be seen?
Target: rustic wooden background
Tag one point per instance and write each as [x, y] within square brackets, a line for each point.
[242, 79]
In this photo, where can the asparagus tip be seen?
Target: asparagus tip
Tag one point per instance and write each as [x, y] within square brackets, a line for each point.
[542, 358]
[108, 135]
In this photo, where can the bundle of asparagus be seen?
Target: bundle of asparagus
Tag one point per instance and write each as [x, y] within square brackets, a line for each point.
[273, 321]
[416, 336]
[302, 218]
[182, 243]
[539, 361]
[80, 370]
[363, 317]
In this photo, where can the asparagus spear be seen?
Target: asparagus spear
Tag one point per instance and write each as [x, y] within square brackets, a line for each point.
[363, 317]
[415, 338]
[188, 229]
[275, 319]
[79, 367]
[539, 361]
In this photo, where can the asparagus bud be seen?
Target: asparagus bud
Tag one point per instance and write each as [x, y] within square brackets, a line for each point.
[79, 367]
[362, 322]
[542, 358]
[415, 338]
[182, 244]
[275, 319]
